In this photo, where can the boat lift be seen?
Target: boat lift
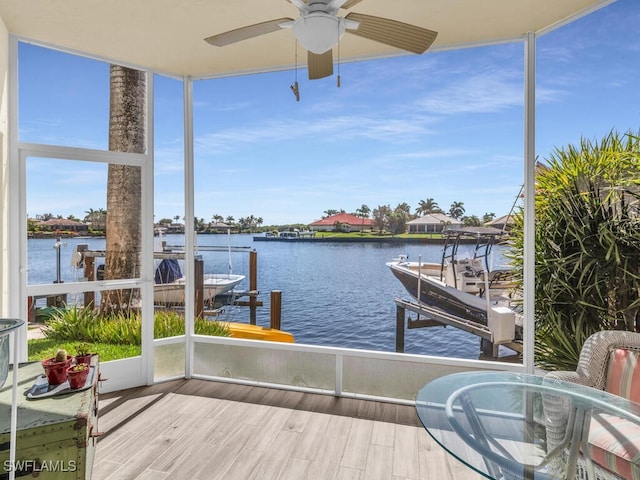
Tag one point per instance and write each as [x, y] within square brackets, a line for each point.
[434, 317]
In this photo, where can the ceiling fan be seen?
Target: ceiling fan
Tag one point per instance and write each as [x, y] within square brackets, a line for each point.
[319, 28]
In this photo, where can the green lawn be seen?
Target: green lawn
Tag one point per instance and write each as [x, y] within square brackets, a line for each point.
[42, 348]
[375, 235]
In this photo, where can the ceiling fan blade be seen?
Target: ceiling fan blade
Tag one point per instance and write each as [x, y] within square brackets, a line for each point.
[320, 65]
[245, 33]
[391, 32]
[350, 3]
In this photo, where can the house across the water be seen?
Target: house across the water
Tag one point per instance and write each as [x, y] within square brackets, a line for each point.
[433, 223]
[344, 222]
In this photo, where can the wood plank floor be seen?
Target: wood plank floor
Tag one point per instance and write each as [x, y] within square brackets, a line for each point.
[202, 430]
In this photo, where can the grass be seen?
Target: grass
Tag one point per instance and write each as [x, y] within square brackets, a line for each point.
[42, 348]
[368, 234]
[111, 336]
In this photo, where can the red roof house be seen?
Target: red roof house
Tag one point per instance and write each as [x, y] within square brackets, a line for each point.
[55, 224]
[345, 221]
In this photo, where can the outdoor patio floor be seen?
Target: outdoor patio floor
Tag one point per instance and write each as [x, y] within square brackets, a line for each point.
[203, 430]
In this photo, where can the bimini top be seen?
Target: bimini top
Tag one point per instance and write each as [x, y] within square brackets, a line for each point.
[474, 232]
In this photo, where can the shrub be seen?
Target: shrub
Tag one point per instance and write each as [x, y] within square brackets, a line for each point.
[88, 325]
[587, 243]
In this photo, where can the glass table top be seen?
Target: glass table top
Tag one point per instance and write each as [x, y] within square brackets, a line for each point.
[510, 425]
[7, 325]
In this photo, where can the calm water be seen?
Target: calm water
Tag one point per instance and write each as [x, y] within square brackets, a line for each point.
[332, 294]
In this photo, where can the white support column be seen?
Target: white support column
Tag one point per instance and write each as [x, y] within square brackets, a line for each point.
[189, 227]
[15, 204]
[529, 195]
[147, 238]
[5, 231]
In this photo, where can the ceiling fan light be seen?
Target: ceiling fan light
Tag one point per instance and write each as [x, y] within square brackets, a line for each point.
[318, 32]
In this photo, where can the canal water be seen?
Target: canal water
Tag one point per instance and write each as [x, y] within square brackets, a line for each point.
[333, 294]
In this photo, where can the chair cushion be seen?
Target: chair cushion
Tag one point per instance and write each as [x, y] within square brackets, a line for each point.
[623, 377]
[614, 443]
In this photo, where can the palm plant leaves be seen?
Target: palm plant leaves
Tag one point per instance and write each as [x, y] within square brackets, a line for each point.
[587, 245]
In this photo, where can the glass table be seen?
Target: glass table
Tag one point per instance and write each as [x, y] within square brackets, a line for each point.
[7, 326]
[507, 425]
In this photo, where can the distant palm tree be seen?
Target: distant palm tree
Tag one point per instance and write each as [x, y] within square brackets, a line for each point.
[471, 221]
[102, 218]
[456, 210]
[96, 218]
[487, 217]
[363, 212]
[399, 218]
[425, 207]
[89, 215]
[381, 217]
[330, 212]
[250, 222]
[403, 207]
[230, 220]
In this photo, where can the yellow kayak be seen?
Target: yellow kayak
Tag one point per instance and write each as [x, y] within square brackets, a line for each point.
[256, 332]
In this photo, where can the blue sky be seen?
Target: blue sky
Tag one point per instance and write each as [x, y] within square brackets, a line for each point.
[443, 125]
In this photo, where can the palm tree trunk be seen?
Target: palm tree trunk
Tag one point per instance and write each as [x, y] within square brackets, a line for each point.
[127, 133]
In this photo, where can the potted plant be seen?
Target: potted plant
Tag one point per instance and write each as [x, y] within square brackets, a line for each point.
[55, 368]
[77, 375]
[83, 354]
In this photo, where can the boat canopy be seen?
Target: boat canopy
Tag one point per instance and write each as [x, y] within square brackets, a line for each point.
[168, 271]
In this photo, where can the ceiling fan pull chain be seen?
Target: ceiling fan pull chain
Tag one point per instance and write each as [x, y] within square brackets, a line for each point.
[338, 62]
[294, 88]
[296, 91]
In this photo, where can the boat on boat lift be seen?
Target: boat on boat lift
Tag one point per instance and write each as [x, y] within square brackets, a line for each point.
[463, 284]
[169, 284]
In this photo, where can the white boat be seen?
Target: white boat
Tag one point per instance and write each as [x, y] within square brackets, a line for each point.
[169, 284]
[458, 284]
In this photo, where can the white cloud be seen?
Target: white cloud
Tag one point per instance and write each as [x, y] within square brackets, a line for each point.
[329, 128]
[485, 92]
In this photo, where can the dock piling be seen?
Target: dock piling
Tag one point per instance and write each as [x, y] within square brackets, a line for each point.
[400, 314]
[276, 309]
[89, 275]
[253, 285]
[199, 287]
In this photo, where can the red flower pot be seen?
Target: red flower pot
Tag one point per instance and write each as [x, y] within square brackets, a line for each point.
[77, 378]
[56, 372]
[84, 359]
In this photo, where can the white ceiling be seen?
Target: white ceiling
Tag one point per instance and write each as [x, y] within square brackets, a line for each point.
[167, 35]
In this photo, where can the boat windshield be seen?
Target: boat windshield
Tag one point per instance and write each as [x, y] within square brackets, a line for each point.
[468, 243]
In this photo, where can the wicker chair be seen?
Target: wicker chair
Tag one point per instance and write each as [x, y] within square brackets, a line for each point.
[592, 370]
